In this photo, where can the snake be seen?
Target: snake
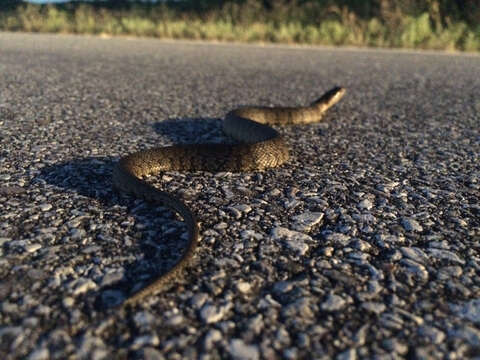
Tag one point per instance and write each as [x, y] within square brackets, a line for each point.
[258, 147]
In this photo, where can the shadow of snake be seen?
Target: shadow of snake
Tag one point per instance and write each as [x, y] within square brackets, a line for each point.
[260, 147]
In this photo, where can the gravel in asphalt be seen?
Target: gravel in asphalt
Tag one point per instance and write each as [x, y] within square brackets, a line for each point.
[365, 245]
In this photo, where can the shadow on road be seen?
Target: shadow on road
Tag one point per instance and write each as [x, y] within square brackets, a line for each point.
[92, 177]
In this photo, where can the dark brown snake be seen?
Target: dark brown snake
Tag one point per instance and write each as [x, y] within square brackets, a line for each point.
[260, 147]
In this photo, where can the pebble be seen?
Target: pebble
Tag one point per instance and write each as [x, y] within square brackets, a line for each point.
[243, 208]
[144, 320]
[338, 238]
[149, 353]
[415, 254]
[82, 285]
[45, 207]
[469, 310]
[243, 287]
[250, 235]
[374, 307]
[466, 333]
[333, 303]
[294, 240]
[411, 225]
[211, 313]
[446, 255]
[213, 336]
[300, 308]
[39, 354]
[68, 301]
[365, 204]
[239, 350]
[395, 346]
[350, 354]
[112, 276]
[77, 234]
[304, 222]
[145, 340]
[416, 269]
[175, 320]
[433, 335]
[32, 248]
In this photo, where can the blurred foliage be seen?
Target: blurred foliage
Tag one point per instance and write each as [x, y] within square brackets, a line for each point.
[433, 24]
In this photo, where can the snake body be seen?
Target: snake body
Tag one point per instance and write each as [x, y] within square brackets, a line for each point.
[260, 147]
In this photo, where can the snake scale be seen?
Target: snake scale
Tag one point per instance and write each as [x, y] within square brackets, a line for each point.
[259, 147]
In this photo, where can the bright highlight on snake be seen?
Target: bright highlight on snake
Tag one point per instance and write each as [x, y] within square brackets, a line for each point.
[260, 147]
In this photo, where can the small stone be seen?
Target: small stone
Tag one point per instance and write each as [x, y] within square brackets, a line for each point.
[467, 333]
[469, 310]
[415, 254]
[78, 234]
[327, 251]
[434, 335]
[416, 319]
[45, 207]
[212, 314]
[365, 204]
[395, 345]
[243, 287]
[411, 225]
[144, 320]
[92, 249]
[294, 240]
[175, 320]
[446, 255]
[68, 301]
[256, 324]
[349, 354]
[212, 336]
[338, 238]
[374, 307]
[449, 272]
[91, 347]
[283, 287]
[360, 245]
[150, 353]
[9, 307]
[221, 226]
[237, 214]
[333, 303]
[250, 234]
[39, 354]
[290, 354]
[391, 321]
[198, 300]
[32, 248]
[82, 285]
[241, 351]
[243, 208]
[11, 190]
[299, 308]
[416, 269]
[304, 222]
[145, 340]
[113, 276]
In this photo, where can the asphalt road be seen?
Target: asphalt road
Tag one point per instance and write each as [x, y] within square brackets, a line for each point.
[365, 245]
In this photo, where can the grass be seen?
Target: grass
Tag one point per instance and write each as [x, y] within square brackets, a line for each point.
[309, 23]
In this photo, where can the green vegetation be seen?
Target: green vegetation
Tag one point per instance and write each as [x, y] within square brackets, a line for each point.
[426, 24]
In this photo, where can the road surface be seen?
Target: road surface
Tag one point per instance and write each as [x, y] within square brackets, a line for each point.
[367, 243]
